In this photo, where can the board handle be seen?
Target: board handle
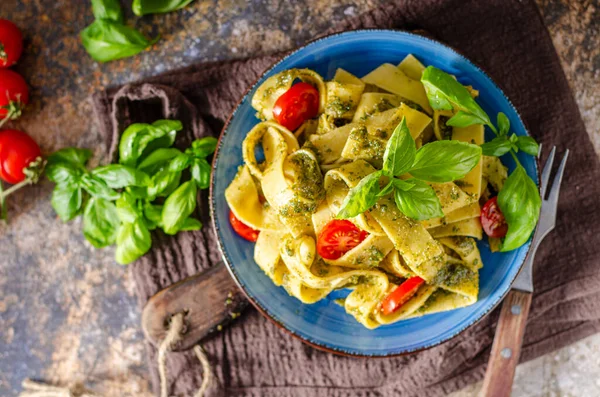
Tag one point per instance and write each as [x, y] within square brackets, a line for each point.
[506, 348]
[210, 300]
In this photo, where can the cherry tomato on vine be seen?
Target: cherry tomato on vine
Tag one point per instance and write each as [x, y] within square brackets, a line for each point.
[17, 151]
[492, 219]
[14, 94]
[296, 105]
[11, 43]
[401, 295]
[242, 229]
[339, 237]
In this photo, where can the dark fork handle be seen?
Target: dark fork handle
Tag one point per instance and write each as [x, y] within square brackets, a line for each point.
[507, 345]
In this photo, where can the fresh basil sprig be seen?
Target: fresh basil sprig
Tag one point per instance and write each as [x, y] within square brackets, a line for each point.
[107, 38]
[119, 202]
[519, 199]
[416, 199]
[144, 7]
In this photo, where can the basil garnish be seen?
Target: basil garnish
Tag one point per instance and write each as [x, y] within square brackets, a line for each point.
[520, 202]
[519, 199]
[441, 161]
[445, 161]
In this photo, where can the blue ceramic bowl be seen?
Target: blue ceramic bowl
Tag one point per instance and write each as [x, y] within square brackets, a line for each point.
[324, 324]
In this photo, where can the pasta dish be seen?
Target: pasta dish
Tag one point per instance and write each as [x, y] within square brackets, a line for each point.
[376, 184]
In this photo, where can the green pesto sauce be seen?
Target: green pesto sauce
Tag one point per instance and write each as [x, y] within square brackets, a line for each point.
[452, 275]
[366, 147]
[445, 129]
[338, 108]
[413, 105]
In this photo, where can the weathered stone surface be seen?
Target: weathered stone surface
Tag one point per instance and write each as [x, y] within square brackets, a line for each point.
[67, 311]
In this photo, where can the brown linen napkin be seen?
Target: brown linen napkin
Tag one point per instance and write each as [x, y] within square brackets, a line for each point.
[253, 357]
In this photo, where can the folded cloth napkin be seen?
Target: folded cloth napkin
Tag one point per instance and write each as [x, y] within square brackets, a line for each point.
[253, 357]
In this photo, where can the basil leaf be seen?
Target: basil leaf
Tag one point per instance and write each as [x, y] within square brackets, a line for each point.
[445, 93]
[66, 200]
[118, 176]
[399, 151]
[178, 206]
[74, 157]
[180, 163]
[140, 140]
[144, 7]
[204, 147]
[158, 159]
[462, 119]
[496, 147]
[153, 215]
[513, 142]
[191, 224]
[201, 173]
[163, 183]
[127, 208]
[361, 197]
[106, 40]
[528, 145]
[403, 185]
[419, 202]
[60, 173]
[107, 9]
[445, 161]
[503, 124]
[100, 222]
[133, 241]
[387, 189]
[520, 202]
[97, 188]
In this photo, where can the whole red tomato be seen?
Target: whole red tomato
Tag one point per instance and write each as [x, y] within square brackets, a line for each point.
[14, 94]
[11, 43]
[17, 151]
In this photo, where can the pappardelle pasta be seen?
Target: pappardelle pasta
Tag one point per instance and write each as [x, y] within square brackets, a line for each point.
[363, 184]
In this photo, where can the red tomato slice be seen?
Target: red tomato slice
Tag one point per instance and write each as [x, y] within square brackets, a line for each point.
[17, 151]
[492, 219]
[242, 229]
[14, 94]
[11, 43]
[296, 105]
[401, 295]
[339, 237]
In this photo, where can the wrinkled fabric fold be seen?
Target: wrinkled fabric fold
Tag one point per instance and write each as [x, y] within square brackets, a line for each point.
[253, 357]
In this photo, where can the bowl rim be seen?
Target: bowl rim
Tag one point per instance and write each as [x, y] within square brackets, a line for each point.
[221, 246]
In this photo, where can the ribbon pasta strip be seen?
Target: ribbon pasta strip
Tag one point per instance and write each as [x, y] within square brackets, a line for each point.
[299, 184]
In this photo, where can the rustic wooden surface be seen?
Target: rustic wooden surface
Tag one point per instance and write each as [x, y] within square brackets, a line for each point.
[67, 311]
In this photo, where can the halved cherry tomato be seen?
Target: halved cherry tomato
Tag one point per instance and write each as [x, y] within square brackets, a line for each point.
[242, 229]
[296, 105]
[339, 237]
[492, 219]
[14, 94]
[401, 295]
[17, 151]
[11, 43]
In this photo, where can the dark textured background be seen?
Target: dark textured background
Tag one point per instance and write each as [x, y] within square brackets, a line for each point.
[67, 311]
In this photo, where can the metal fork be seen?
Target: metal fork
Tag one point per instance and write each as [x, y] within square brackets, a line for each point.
[515, 309]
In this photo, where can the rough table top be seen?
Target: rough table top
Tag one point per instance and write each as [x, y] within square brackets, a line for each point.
[68, 313]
